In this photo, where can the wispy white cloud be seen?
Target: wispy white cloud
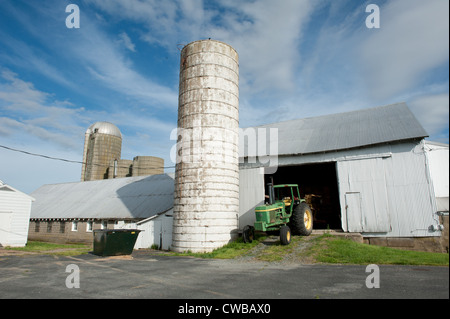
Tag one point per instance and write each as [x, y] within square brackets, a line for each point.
[96, 51]
[36, 114]
[33, 117]
[265, 33]
[433, 112]
[126, 41]
[412, 41]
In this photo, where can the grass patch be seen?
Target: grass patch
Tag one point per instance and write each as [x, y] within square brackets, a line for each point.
[53, 248]
[330, 249]
[322, 249]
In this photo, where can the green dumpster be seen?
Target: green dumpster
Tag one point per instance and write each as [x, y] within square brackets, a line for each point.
[114, 242]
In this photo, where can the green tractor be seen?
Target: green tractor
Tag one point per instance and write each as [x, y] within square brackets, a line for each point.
[285, 212]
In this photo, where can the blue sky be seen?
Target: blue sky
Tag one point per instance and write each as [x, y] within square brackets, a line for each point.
[298, 58]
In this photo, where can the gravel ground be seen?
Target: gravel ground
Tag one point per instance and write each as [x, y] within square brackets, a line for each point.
[295, 256]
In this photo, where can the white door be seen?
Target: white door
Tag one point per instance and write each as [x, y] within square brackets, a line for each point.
[167, 232]
[5, 227]
[157, 235]
[145, 238]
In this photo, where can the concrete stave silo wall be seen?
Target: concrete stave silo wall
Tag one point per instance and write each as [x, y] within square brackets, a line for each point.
[206, 203]
[147, 165]
[102, 149]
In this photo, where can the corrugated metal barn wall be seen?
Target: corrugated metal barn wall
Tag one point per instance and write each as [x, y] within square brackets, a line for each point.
[388, 194]
[384, 190]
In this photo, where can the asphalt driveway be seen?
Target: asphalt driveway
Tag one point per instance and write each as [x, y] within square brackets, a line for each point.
[162, 277]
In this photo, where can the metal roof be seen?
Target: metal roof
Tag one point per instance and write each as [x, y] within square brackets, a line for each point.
[120, 198]
[104, 128]
[354, 129]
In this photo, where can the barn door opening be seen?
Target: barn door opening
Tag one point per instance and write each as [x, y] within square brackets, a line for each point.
[318, 185]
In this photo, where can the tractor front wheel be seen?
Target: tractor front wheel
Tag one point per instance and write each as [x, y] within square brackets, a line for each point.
[285, 235]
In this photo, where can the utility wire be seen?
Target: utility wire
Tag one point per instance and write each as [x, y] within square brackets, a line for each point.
[71, 161]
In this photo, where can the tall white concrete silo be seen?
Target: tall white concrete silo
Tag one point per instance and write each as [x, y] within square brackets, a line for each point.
[206, 202]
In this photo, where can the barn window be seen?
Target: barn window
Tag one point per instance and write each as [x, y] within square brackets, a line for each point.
[62, 227]
[74, 225]
[49, 226]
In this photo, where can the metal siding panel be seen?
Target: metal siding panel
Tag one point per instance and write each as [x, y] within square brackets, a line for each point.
[365, 176]
[354, 212]
[409, 196]
[251, 194]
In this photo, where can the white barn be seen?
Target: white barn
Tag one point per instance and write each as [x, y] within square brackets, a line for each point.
[369, 171]
[15, 209]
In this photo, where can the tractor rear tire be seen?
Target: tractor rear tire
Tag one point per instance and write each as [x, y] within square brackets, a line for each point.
[285, 235]
[248, 234]
[302, 220]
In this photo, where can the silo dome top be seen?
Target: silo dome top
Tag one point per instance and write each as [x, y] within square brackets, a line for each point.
[104, 128]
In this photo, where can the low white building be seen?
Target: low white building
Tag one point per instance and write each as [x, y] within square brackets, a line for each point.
[15, 209]
[70, 212]
[156, 231]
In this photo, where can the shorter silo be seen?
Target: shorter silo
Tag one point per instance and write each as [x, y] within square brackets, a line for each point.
[147, 165]
[120, 168]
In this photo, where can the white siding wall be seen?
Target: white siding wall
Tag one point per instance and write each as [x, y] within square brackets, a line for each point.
[438, 160]
[17, 205]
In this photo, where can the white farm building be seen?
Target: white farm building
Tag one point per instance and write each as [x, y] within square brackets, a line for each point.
[15, 209]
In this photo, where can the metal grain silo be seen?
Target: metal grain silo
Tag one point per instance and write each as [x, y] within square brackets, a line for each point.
[206, 202]
[102, 144]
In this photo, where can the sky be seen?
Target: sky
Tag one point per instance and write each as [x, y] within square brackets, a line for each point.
[297, 59]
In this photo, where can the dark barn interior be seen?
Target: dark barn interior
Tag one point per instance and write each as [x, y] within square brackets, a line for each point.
[318, 186]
